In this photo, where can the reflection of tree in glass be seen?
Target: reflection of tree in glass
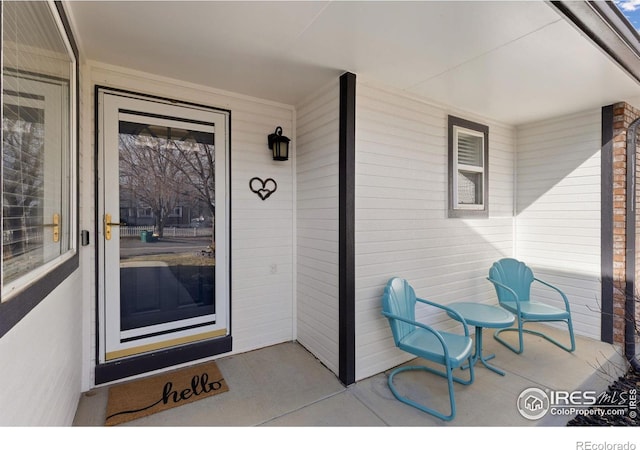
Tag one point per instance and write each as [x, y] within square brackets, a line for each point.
[22, 185]
[163, 168]
[199, 168]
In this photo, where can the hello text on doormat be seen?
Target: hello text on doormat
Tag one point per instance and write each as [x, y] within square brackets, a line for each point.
[148, 396]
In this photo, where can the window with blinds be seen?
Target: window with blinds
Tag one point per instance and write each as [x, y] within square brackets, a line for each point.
[38, 89]
[468, 171]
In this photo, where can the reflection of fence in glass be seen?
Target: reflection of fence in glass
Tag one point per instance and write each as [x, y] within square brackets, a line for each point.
[30, 243]
[126, 232]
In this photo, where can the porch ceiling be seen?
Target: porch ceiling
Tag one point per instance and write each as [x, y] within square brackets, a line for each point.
[514, 62]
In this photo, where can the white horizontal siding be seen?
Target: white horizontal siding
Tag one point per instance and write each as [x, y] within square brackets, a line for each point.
[317, 224]
[262, 247]
[40, 362]
[558, 211]
[402, 227]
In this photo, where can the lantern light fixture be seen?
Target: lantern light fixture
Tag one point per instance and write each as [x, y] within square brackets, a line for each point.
[279, 145]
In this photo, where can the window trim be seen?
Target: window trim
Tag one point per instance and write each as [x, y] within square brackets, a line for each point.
[23, 301]
[456, 210]
[40, 84]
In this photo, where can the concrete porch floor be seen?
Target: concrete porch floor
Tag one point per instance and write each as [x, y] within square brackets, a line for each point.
[285, 386]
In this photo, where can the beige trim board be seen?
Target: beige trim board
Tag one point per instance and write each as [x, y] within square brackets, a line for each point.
[164, 344]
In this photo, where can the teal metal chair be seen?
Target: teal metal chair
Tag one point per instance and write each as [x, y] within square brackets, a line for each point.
[512, 280]
[447, 349]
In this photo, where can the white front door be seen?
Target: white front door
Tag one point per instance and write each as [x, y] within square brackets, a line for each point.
[163, 224]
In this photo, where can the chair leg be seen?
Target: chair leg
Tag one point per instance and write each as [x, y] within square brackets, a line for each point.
[520, 348]
[569, 349]
[450, 379]
[521, 330]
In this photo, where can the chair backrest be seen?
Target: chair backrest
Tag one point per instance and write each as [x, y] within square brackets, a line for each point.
[399, 299]
[514, 274]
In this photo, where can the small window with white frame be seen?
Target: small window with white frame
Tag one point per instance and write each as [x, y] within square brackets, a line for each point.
[468, 168]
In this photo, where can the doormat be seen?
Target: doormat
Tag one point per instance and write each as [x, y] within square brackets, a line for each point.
[147, 396]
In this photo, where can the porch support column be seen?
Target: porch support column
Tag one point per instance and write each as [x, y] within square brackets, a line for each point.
[622, 217]
[346, 207]
[607, 228]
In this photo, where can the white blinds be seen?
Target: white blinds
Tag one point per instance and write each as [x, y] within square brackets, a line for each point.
[35, 138]
[31, 42]
[470, 148]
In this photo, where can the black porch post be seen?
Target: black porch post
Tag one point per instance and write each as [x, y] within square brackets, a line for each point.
[347, 353]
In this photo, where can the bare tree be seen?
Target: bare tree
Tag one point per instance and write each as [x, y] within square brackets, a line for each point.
[149, 174]
[196, 162]
[22, 181]
[174, 167]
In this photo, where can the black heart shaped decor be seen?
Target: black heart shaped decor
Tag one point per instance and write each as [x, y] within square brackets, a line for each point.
[263, 188]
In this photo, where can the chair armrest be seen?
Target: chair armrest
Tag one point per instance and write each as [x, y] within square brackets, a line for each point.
[515, 296]
[453, 312]
[423, 326]
[564, 297]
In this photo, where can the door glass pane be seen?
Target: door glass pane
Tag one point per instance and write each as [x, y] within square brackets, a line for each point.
[167, 210]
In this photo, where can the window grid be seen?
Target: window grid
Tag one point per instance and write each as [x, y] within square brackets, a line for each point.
[468, 168]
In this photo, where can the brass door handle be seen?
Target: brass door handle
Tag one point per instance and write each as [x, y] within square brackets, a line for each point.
[107, 226]
[56, 227]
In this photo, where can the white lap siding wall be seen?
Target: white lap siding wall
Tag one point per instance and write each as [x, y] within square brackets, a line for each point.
[558, 210]
[402, 227]
[317, 224]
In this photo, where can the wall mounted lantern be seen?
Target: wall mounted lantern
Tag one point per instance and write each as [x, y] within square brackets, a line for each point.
[279, 145]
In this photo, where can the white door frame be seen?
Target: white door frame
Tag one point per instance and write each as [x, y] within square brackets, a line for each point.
[113, 343]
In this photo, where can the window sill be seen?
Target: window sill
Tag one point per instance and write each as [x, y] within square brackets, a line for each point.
[22, 302]
[468, 213]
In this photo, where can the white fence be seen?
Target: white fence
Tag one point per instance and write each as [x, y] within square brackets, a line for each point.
[168, 231]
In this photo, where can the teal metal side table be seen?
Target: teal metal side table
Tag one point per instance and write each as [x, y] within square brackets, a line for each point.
[483, 316]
